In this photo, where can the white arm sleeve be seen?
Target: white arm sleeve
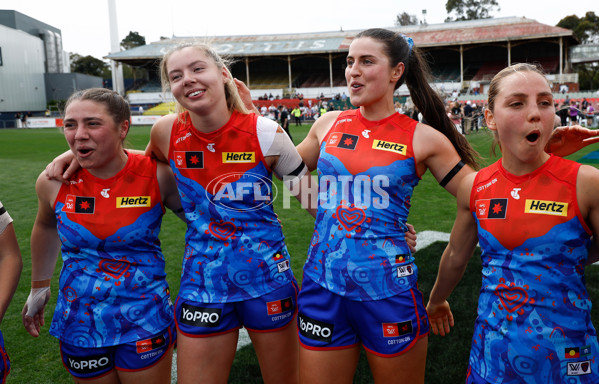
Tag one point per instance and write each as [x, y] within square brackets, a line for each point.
[275, 142]
[5, 218]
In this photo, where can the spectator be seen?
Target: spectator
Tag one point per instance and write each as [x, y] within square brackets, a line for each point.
[457, 116]
[573, 114]
[296, 112]
[284, 120]
[468, 117]
[590, 114]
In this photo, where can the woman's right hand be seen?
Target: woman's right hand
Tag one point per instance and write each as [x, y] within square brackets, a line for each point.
[440, 317]
[33, 311]
[62, 167]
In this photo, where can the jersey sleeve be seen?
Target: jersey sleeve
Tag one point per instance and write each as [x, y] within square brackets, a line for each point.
[5, 218]
[275, 142]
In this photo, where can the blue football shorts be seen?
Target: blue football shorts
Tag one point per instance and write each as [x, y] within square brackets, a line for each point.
[267, 313]
[4, 361]
[388, 327]
[88, 363]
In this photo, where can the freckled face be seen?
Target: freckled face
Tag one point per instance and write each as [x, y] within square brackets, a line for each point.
[523, 118]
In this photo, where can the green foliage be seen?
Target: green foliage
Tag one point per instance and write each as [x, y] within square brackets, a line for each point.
[132, 40]
[588, 76]
[470, 9]
[405, 19]
[88, 65]
[586, 29]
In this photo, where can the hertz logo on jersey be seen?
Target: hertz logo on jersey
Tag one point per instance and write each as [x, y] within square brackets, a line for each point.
[239, 157]
[133, 201]
[389, 146]
[543, 207]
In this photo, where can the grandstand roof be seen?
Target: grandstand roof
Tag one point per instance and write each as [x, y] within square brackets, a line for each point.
[431, 35]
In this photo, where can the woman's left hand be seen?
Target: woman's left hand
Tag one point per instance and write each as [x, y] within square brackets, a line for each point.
[411, 237]
[565, 141]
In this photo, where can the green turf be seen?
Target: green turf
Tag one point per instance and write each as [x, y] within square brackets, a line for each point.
[25, 153]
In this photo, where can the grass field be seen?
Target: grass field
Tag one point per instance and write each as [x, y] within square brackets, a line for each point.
[24, 153]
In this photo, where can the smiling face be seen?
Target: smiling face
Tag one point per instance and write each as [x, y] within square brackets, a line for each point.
[369, 75]
[196, 81]
[522, 116]
[95, 138]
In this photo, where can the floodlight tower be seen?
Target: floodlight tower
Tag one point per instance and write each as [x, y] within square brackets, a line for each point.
[118, 85]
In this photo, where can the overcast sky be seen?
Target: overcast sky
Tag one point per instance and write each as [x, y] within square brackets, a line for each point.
[85, 23]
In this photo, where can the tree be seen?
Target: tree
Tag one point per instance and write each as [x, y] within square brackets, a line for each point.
[88, 65]
[405, 19]
[586, 29]
[470, 9]
[133, 40]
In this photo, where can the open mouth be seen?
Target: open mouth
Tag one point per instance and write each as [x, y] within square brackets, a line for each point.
[532, 137]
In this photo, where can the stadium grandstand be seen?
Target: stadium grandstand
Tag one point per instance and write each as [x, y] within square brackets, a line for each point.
[282, 68]
[463, 57]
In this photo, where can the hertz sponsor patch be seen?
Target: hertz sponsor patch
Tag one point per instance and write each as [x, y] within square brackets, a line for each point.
[133, 201]
[389, 146]
[239, 157]
[544, 207]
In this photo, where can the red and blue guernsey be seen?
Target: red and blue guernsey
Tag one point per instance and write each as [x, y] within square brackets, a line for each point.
[534, 312]
[367, 174]
[234, 247]
[113, 287]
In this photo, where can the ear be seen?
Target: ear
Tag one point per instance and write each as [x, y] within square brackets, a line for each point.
[490, 119]
[226, 76]
[124, 129]
[397, 71]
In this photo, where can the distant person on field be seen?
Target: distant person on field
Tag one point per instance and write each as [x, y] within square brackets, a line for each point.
[284, 119]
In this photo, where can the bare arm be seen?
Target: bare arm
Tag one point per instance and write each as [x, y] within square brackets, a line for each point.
[45, 247]
[160, 136]
[458, 252]
[434, 151]
[11, 265]
[168, 190]
[587, 185]
[309, 148]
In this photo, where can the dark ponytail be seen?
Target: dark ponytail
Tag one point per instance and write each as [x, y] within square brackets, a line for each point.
[400, 48]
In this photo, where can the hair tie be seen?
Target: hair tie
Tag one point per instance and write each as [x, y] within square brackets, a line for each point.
[409, 41]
